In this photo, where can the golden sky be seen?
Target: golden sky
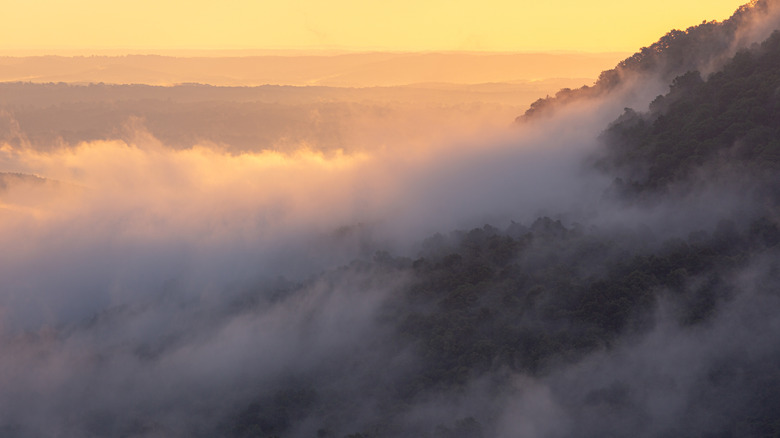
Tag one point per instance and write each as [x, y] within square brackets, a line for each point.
[404, 25]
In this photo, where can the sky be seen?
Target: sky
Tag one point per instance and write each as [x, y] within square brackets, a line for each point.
[354, 25]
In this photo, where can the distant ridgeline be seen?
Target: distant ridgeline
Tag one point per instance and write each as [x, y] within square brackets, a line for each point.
[697, 48]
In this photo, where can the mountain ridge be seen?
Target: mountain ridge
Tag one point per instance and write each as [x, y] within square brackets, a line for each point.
[702, 47]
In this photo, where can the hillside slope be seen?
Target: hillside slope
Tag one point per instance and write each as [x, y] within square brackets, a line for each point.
[704, 47]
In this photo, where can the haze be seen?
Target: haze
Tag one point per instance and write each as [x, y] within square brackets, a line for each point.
[370, 244]
[494, 25]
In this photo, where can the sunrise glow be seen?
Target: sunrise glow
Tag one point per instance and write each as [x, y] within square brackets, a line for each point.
[405, 25]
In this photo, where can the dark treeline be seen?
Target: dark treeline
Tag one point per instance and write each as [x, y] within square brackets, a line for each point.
[491, 304]
[731, 120]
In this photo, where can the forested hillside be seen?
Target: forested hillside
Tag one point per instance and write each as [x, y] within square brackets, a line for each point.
[730, 121]
[563, 304]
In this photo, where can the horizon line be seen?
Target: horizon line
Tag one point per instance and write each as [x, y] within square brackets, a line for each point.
[235, 53]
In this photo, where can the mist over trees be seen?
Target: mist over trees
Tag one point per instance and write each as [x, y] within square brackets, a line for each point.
[637, 296]
[731, 120]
